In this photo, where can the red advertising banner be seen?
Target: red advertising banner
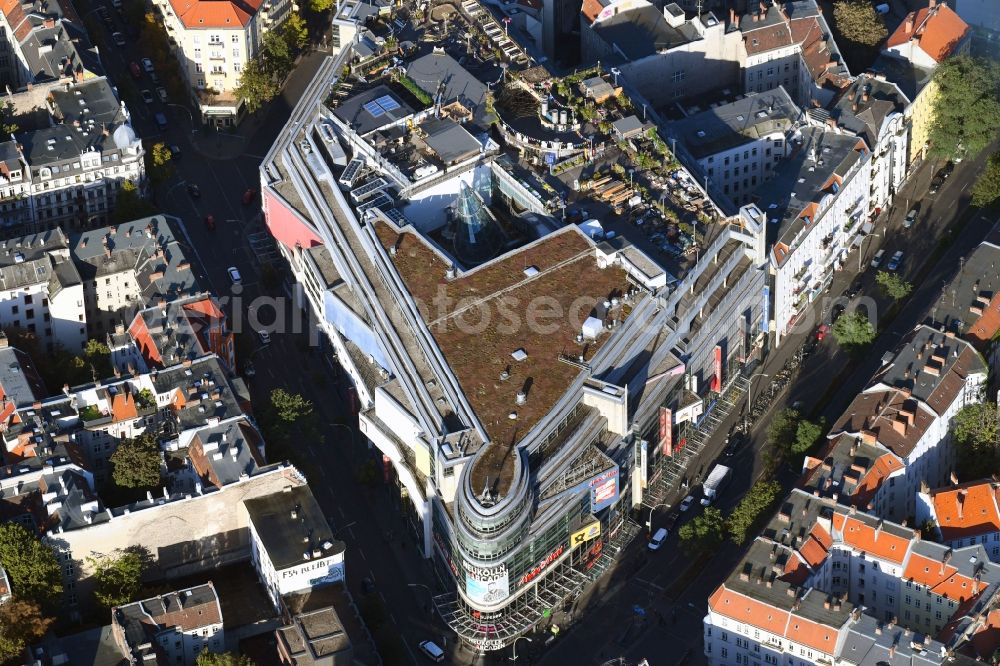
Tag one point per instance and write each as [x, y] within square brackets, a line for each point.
[717, 379]
[666, 431]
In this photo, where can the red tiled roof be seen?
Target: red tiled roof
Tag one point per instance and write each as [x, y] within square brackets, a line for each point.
[937, 31]
[214, 13]
[591, 9]
[871, 540]
[986, 327]
[968, 510]
[742, 608]
[942, 579]
[869, 484]
[123, 407]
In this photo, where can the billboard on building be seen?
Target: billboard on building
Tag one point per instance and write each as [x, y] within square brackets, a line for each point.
[717, 379]
[486, 586]
[604, 490]
[765, 315]
[587, 533]
[666, 431]
[643, 463]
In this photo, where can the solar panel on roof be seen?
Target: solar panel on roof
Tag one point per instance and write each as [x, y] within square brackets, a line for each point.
[374, 108]
[387, 103]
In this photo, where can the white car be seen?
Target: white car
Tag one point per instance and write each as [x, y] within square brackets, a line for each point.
[234, 274]
[877, 259]
[265, 337]
[162, 94]
[147, 65]
[658, 539]
[118, 38]
[686, 504]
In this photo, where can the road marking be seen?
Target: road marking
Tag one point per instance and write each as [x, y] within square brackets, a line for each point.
[649, 583]
[359, 550]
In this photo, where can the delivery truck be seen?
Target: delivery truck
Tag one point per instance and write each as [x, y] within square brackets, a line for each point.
[714, 484]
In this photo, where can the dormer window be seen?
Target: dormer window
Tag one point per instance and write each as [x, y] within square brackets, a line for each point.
[44, 172]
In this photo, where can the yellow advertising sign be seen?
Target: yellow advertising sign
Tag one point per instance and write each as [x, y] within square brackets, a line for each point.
[591, 531]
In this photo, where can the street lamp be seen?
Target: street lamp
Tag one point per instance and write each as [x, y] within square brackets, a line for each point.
[630, 172]
[188, 112]
[615, 72]
[514, 658]
[506, 22]
[864, 247]
[429, 592]
[649, 523]
[746, 420]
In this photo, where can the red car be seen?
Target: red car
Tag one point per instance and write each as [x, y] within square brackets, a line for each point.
[822, 331]
[249, 195]
[133, 67]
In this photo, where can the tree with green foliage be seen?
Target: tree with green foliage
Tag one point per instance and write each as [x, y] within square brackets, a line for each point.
[129, 205]
[276, 54]
[295, 32]
[7, 124]
[136, 462]
[97, 355]
[966, 106]
[754, 504]
[976, 433]
[207, 658]
[118, 577]
[320, 6]
[893, 285]
[781, 432]
[290, 407]
[288, 415]
[21, 624]
[159, 164]
[853, 331]
[31, 565]
[807, 434]
[145, 399]
[256, 86]
[986, 191]
[858, 22]
[704, 533]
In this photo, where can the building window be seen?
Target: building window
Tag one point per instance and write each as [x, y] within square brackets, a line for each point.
[678, 76]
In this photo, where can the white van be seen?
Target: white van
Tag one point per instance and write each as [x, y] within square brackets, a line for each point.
[432, 651]
[658, 538]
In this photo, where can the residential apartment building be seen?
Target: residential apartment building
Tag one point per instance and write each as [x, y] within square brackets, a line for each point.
[44, 41]
[167, 334]
[925, 38]
[895, 435]
[789, 44]
[962, 515]
[172, 628]
[213, 40]
[815, 202]
[66, 171]
[874, 109]
[824, 584]
[66, 288]
[969, 306]
[739, 145]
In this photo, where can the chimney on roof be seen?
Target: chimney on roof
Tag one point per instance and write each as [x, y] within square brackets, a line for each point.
[960, 502]
[908, 25]
[732, 16]
[878, 629]
[899, 425]
[931, 4]
[953, 478]
[892, 648]
[916, 535]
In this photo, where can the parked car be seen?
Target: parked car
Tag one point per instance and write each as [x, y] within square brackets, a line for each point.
[686, 503]
[877, 259]
[249, 195]
[911, 217]
[118, 38]
[936, 184]
[432, 651]
[210, 222]
[161, 92]
[161, 120]
[734, 442]
[895, 260]
[836, 311]
[154, 78]
[234, 274]
[175, 152]
[265, 337]
[855, 288]
[147, 96]
[821, 331]
[194, 190]
[117, 4]
[147, 65]
[658, 538]
[946, 170]
[134, 70]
